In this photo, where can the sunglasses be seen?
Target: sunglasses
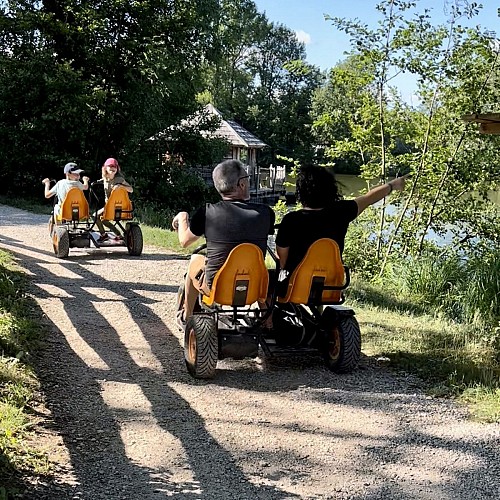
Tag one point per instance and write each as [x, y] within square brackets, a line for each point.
[244, 177]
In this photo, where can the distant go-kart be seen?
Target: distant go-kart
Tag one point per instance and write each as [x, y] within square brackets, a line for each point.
[308, 319]
[74, 226]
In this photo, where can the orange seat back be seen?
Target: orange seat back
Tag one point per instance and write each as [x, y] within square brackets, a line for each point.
[321, 267]
[242, 280]
[118, 206]
[75, 206]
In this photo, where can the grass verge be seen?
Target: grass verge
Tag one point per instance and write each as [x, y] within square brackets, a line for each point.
[19, 333]
[457, 360]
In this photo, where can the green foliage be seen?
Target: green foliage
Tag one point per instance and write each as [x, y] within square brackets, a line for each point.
[360, 247]
[19, 333]
[88, 81]
[464, 290]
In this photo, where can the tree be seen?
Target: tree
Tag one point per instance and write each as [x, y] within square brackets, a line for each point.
[95, 79]
[429, 140]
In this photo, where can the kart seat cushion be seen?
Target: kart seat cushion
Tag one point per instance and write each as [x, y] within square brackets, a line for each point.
[322, 264]
[75, 206]
[118, 206]
[242, 280]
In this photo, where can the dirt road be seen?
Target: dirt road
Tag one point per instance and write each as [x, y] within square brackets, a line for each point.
[126, 421]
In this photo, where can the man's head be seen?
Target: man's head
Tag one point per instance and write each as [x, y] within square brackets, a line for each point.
[72, 171]
[231, 180]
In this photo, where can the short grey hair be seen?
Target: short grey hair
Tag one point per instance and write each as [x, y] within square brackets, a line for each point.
[226, 176]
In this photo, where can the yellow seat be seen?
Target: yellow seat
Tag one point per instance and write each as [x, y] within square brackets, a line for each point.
[75, 206]
[118, 206]
[320, 276]
[242, 280]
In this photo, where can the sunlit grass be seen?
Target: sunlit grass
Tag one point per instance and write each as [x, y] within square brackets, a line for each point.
[456, 359]
[19, 333]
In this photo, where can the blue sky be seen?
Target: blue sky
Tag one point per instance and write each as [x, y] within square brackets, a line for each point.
[325, 45]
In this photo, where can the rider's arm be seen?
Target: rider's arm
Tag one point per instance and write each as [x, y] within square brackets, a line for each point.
[379, 192]
[47, 191]
[85, 183]
[120, 181]
[283, 255]
[181, 225]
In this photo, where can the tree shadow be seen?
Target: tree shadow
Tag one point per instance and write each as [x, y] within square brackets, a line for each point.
[92, 430]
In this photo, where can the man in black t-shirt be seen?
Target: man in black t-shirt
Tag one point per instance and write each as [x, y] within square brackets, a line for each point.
[225, 224]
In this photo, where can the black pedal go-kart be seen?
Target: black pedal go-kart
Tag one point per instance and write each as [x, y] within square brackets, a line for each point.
[309, 318]
[74, 226]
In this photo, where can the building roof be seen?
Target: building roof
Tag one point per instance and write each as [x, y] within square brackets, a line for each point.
[231, 131]
[489, 122]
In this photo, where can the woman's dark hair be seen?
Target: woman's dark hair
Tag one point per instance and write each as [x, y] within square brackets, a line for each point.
[316, 187]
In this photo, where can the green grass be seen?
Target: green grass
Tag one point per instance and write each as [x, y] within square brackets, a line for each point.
[456, 359]
[19, 333]
[166, 239]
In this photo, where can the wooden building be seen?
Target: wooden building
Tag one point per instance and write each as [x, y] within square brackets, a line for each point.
[489, 123]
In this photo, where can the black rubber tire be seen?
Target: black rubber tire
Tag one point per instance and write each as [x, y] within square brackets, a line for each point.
[180, 298]
[343, 348]
[51, 225]
[134, 240]
[201, 346]
[60, 242]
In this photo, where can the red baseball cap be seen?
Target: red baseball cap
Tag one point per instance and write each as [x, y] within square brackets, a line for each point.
[111, 162]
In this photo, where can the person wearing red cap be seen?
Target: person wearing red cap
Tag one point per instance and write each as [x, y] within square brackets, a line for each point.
[61, 188]
[111, 177]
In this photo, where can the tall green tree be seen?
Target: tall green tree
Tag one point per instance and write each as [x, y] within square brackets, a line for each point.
[96, 78]
[452, 66]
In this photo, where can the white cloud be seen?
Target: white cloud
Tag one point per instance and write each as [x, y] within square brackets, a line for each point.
[302, 36]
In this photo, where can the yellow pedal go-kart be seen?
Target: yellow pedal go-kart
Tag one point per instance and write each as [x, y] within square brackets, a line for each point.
[308, 319]
[74, 226]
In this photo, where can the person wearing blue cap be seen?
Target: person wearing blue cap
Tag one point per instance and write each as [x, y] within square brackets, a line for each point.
[61, 188]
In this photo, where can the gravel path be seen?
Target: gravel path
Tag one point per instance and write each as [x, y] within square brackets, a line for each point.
[124, 420]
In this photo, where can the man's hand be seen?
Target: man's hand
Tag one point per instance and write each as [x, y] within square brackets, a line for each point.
[181, 217]
[85, 179]
[46, 181]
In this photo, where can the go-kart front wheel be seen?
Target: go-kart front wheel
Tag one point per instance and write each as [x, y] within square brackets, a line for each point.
[201, 346]
[60, 242]
[134, 240]
[343, 347]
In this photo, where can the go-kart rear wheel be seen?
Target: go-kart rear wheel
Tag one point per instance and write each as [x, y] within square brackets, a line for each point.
[343, 348]
[60, 242]
[51, 225]
[134, 240]
[201, 346]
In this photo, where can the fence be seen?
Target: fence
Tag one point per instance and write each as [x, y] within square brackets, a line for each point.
[262, 179]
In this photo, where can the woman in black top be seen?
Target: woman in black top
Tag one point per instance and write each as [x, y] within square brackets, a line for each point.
[324, 213]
